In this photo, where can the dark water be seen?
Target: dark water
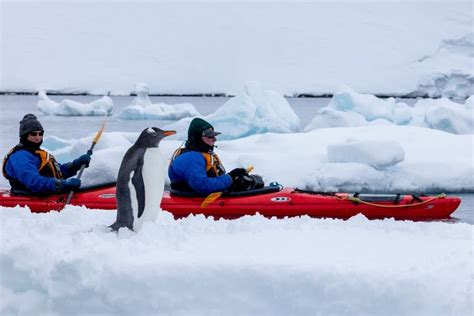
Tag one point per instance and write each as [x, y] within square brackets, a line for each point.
[13, 107]
[465, 212]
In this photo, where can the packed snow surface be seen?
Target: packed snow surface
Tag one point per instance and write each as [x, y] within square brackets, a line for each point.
[101, 107]
[417, 48]
[375, 153]
[69, 262]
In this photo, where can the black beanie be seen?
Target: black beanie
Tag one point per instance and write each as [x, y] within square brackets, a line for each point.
[30, 123]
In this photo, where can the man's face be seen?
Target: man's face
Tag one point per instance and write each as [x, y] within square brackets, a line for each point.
[209, 140]
[35, 137]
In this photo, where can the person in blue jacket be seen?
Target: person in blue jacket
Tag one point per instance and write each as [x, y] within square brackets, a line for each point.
[32, 170]
[196, 167]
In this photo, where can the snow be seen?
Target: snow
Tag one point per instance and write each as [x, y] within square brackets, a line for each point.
[252, 265]
[416, 48]
[450, 117]
[141, 108]
[66, 107]
[375, 158]
[350, 108]
[378, 154]
[253, 111]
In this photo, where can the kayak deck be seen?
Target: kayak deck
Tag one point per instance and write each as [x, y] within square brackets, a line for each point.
[290, 202]
[280, 203]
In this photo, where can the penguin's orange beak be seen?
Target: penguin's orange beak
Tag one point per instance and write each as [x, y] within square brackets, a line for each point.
[169, 133]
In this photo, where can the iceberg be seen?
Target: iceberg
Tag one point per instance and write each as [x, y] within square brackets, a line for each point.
[348, 108]
[141, 108]
[66, 107]
[254, 111]
[449, 116]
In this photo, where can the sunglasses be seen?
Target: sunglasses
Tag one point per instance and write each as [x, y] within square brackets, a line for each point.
[37, 133]
[209, 133]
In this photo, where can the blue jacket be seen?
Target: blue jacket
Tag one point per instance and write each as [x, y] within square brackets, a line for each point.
[23, 166]
[190, 168]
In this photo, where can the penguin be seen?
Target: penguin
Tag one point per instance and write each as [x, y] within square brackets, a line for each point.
[140, 181]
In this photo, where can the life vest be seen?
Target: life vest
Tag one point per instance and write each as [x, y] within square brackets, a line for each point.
[48, 167]
[214, 167]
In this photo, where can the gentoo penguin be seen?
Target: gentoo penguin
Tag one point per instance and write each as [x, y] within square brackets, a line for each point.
[141, 180]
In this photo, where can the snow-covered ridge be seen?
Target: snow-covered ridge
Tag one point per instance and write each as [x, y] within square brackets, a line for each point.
[392, 48]
[451, 76]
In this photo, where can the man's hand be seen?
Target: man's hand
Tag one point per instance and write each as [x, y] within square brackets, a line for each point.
[82, 160]
[69, 184]
[237, 173]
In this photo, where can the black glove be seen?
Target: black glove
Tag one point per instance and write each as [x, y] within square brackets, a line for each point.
[82, 160]
[237, 173]
[69, 184]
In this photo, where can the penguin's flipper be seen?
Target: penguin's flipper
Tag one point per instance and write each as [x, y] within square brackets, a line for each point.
[137, 181]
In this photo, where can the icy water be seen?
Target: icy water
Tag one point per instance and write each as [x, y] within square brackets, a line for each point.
[13, 107]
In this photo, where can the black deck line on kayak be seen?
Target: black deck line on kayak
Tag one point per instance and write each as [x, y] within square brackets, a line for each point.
[264, 190]
[97, 186]
[314, 192]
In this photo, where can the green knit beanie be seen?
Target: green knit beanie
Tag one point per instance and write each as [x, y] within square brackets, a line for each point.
[196, 128]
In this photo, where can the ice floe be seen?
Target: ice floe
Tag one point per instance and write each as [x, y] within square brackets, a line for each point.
[101, 107]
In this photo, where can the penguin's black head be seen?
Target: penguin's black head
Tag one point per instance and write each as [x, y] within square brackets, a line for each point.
[151, 137]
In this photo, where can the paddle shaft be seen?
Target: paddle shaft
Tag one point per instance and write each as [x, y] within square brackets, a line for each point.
[79, 174]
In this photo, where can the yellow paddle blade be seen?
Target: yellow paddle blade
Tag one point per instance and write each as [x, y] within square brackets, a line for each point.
[99, 133]
[210, 198]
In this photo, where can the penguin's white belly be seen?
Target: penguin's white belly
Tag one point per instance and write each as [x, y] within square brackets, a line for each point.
[153, 173]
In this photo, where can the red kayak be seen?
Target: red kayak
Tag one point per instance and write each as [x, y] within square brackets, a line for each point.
[271, 201]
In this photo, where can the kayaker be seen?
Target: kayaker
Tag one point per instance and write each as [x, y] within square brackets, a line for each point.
[196, 167]
[30, 169]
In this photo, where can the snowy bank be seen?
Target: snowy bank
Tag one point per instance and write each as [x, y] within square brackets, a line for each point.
[384, 158]
[141, 108]
[250, 266]
[66, 107]
[417, 48]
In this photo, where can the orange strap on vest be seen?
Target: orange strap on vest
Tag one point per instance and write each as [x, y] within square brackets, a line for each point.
[212, 161]
[46, 159]
[48, 165]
